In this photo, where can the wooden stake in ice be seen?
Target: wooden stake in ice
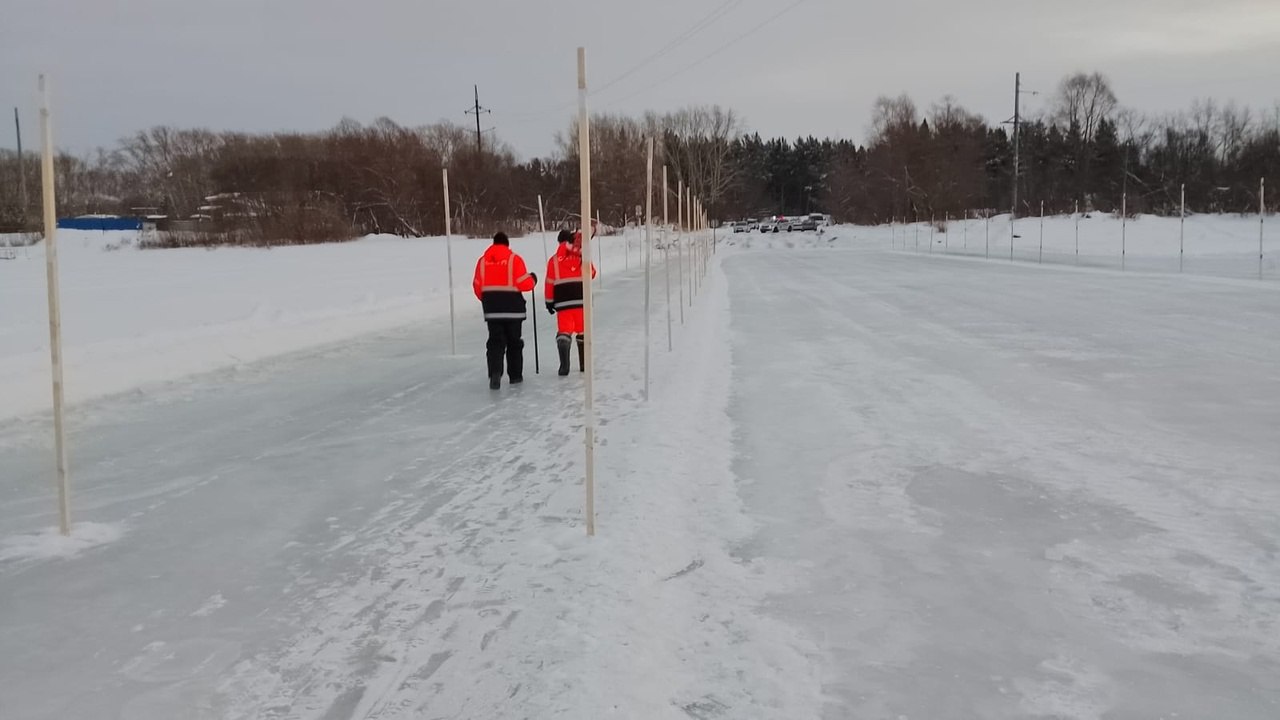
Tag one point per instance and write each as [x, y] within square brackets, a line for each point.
[680, 222]
[599, 251]
[688, 210]
[1124, 228]
[1041, 258]
[55, 309]
[1182, 225]
[1262, 220]
[448, 245]
[666, 252]
[695, 249]
[648, 251]
[1077, 214]
[584, 168]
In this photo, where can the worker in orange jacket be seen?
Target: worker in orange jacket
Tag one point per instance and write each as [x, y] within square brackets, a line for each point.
[564, 297]
[500, 283]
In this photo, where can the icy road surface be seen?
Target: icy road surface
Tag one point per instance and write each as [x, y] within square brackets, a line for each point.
[868, 484]
[1015, 492]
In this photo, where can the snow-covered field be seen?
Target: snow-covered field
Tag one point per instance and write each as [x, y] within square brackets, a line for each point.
[868, 483]
[1221, 245]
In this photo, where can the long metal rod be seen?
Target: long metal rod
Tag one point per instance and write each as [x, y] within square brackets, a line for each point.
[55, 309]
[542, 227]
[448, 245]
[537, 355]
[584, 168]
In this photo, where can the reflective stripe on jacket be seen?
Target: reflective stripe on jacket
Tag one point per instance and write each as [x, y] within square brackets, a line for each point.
[500, 281]
[564, 278]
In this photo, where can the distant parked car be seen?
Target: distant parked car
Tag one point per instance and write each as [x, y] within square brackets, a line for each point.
[769, 226]
[739, 227]
[805, 224]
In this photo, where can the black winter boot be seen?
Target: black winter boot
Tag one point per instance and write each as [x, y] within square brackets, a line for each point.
[562, 346]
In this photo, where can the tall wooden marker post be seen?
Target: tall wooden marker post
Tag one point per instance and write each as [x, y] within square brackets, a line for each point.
[55, 308]
[584, 168]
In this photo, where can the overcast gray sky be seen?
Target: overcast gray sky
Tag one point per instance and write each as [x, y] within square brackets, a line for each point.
[123, 65]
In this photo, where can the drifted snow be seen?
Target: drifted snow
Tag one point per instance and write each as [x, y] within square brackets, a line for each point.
[50, 543]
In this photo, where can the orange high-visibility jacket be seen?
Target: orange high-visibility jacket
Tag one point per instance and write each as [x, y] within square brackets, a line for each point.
[500, 281]
[564, 278]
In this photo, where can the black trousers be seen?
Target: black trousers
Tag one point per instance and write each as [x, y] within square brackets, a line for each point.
[505, 341]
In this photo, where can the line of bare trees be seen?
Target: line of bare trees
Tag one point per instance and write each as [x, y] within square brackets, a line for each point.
[379, 178]
[385, 178]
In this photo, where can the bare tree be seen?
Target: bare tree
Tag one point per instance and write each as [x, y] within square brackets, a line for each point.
[1084, 101]
[890, 116]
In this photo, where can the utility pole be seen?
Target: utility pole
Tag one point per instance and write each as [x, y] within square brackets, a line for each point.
[1018, 92]
[477, 110]
[1017, 121]
[22, 168]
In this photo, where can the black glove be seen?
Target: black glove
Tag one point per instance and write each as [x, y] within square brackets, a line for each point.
[535, 277]
[551, 308]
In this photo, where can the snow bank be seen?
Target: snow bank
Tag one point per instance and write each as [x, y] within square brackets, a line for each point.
[666, 588]
[132, 318]
[51, 544]
[1220, 245]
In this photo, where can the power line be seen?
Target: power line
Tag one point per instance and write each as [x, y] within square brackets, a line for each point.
[720, 11]
[706, 21]
[712, 54]
[697, 26]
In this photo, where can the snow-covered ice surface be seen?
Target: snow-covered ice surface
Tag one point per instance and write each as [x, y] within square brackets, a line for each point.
[365, 531]
[49, 543]
[1015, 491]
[869, 483]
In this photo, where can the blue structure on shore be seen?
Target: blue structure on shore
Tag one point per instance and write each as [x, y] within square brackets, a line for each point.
[100, 222]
